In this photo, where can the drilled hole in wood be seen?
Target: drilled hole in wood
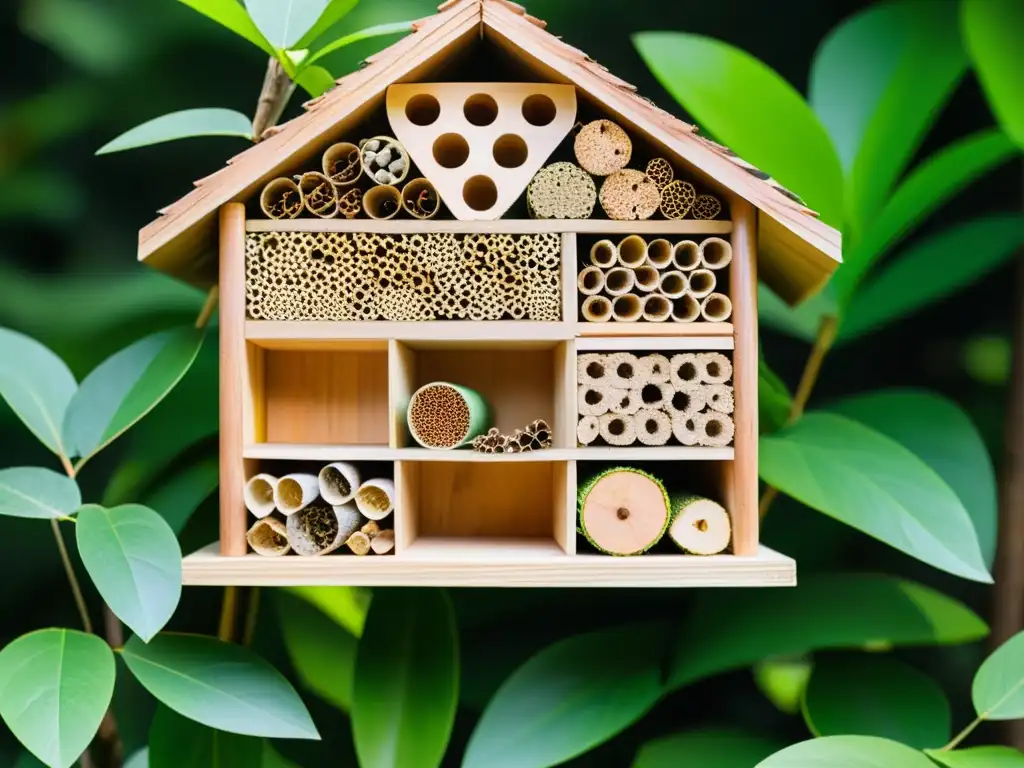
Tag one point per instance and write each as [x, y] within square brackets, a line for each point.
[451, 150]
[539, 110]
[422, 109]
[510, 151]
[480, 109]
[480, 193]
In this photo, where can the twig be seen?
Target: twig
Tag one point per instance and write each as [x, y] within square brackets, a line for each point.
[274, 96]
[964, 733]
[69, 570]
[208, 306]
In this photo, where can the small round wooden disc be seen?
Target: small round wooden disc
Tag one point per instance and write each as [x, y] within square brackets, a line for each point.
[624, 513]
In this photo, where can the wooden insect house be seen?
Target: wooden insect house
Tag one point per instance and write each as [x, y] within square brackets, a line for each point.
[489, 317]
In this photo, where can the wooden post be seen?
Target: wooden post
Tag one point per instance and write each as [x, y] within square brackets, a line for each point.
[741, 473]
[234, 368]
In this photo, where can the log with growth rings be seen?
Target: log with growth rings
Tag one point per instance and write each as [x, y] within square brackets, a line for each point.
[602, 148]
[281, 199]
[268, 537]
[442, 415]
[258, 494]
[319, 530]
[699, 526]
[629, 195]
[623, 511]
[561, 191]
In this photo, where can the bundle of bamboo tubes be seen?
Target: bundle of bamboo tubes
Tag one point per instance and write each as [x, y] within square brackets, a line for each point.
[652, 399]
[313, 515]
[636, 280]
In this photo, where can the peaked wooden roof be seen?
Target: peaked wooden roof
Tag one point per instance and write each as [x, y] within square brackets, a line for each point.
[797, 252]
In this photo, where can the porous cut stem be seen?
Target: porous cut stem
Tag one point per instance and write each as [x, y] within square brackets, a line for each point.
[587, 430]
[268, 537]
[375, 499]
[319, 195]
[341, 164]
[382, 202]
[653, 368]
[259, 494]
[677, 198]
[602, 148]
[623, 370]
[597, 309]
[659, 253]
[684, 428]
[590, 281]
[420, 199]
[716, 308]
[619, 281]
[646, 278]
[617, 430]
[603, 254]
[628, 404]
[715, 253]
[713, 367]
[338, 482]
[281, 199]
[359, 543]
[596, 400]
[686, 255]
[720, 397]
[657, 309]
[714, 429]
[296, 491]
[688, 400]
[673, 284]
[319, 530]
[653, 427]
[627, 308]
[623, 511]
[685, 309]
[561, 191]
[629, 195]
[699, 526]
[706, 207]
[444, 415]
[660, 171]
[632, 251]
[591, 369]
[683, 370]
[702, 283]
[653, 395]
[383, 542]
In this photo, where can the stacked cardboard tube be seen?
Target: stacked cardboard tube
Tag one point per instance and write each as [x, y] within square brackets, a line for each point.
[656, 281]
[624, 398]
[313, 515]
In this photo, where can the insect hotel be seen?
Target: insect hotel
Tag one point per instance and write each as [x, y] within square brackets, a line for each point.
[489, 317]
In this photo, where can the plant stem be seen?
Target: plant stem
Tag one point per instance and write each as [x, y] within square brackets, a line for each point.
[252, 613]
[964, 734]
[823, 342]
[274, 95]
[228, 614]
[208, 306]
[69, 570]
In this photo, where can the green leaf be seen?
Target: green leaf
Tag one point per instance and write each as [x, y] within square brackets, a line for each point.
[310, 637]
[134, 560]
[185, 124]
[783, 681]
[878, 81]
[800, 322]
[220, 685]
[939, 433]
[315, 80]
[876, 695]
[998, 690]
[847, 752]
[991, 31]
[335, 11]
[404, 698]
[933, 269]
[285, 22]
[569, 698]
[178, 496]
[978, 757]
[177, 742]
[230, 14]
[345, 606]
[125, 387]
[771, 126]
[55, 686]
[37, 385]
[932, 183]
[139, 760]
[38, 493]
[872, 483]
[719, 748]
[379, 30]
[773, 399]
[825, 611]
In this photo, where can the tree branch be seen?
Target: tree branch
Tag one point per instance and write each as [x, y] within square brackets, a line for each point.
[277, 90]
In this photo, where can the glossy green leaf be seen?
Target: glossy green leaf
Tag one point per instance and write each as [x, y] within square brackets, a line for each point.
[847, 752]
[379, 30]
[335, 11]
[55, 686]
[37, 385]
[345, 606]
[178, 496]
[310, 637]
[139, 760]
[220, 685]
[177, 742]
[569, 698]
[771, 126]
[872, 483]
[134, 560]
[230, 14]
[403, 713]
[876, 695]
[939, 433]
[773, 399]
[824, 611]
[285, 22]
[801, 322]
[991, 31]
[998, 690]
[978, 757]
[783, 681]
[315, 81]
[720, 748]
[185, 124]
[878, 81]
[933, 269]
[38, 493]
[936, 180]
[126, 386]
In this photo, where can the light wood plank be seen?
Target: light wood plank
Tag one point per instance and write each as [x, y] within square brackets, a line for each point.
[564, 426]
[401, 385]
[569, 507]
[569, 287]
[654, 329]
[328, 453]
[653, 344]
[560, 530]
[407, 483]
[501, 226]
[504, 563]
[316, 334]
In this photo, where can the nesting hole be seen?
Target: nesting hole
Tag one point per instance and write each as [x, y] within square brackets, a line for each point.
[595, 370]
[593, 397]
[714, 370]
[591, 280]
[510, 151]
[616, 426]
[480, 193]
[651, 426]
[713, 428]
[480, 109]
[681, 401]
[539, 110]
[650, 394]
[422, 109]
[451, 150]
[688, 372]
[701, 282]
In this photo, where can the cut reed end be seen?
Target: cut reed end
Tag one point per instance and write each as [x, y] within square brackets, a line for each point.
[342, 164]
[702, 282]
[383, 542]
[716, 308]
[319, 195]
[375, 499]
[295, 492]
[268, 537]
[686, 255]
[597, 309]
[602, 148]
[561, 191]
[656, 308]
[672, 284]
[281, 199]
[604, 254]
[627, 308]
[420, 199]
[659, 253]
[632, 251]
[646, 278]
[685, 308]
[382, 202]
[619, 281]
[715, 253]
[700, 526]
[338, 482]
[258, 494]
[590, 281]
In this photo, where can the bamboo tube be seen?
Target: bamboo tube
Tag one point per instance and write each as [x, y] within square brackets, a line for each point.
[591, 369]
[702, 283]
[688, 400]
[350, 204]
[657, 309]
[319, 195]
[281, 199]
[659, 253]
[720, 397]
[653, 427]
[684, 370]
[597, 309]
[382, 202]
[590, 281]
[622, 370]
[685, 309]
[383, 542]
[587, 430]
[259, 494]
[713, 368]
[603, 254]
[686, 255]
[320, 530]
[684, 428]
[627, 308]
[714, 429]
[342, 164]
[268, 537]
[296, 491]
[699, 526]
[338, 482]
[420, 199]
[653, 368]
[646, 278]
[384, 160]
[654, 395]
[442, 415]
[673, 284]
[715, 253]
[617, 430]
[602, 148]
[619, 281]
[359, 543]
[632, 251]
[623, 511]
[595, 400]
[716, 308]
[375, 499]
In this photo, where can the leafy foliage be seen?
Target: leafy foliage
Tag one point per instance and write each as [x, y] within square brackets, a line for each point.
[721, 748]
[37, 492]
[991, 31]
[181, 125]
[848, 752]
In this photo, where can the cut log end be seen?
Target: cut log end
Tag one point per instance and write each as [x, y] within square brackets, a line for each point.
[700, 526]
[623, 511]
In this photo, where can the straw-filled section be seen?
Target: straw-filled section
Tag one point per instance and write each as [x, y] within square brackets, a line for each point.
[535, 436]
[561, 191]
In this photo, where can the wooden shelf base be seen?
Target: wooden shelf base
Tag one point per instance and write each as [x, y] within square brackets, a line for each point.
[501, 226]
[328, 453]
[490, 563]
